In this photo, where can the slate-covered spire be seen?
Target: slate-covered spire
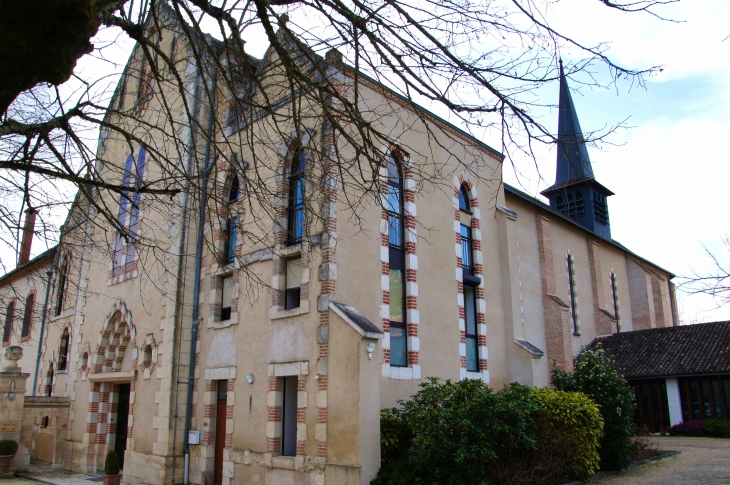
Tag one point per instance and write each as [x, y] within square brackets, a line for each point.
[573, 161]
[576, 192]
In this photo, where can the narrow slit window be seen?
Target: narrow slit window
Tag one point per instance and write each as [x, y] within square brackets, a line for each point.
[229, 250]
[28, 316]
[226, 298]
[573, 295]
[470, 314]
[61, 289]
[293, 283]
[296, 197]
[9, 317]
[614, 294]
[397, 262]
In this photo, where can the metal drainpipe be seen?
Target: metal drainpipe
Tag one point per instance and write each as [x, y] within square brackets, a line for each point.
[196, 283]
[43, 325]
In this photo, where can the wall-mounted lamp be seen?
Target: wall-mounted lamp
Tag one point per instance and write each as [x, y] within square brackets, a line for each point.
[370, 347]
[249, 378]
[11, 395]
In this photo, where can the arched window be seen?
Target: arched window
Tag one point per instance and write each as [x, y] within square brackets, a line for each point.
[85, 361]
[614, 294]
[63, 350]
[229, 251]
[397, 261]
[470, 283]
[9, 317]
[28, 316]
[128, 214]
[464, 200]
[573, 295]
[295, 221]
[134, 213]
[61, 288]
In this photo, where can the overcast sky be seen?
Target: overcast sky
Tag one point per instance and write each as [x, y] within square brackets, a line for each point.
[671, 169]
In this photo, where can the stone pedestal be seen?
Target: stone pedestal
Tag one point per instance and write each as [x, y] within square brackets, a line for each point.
[12, 399]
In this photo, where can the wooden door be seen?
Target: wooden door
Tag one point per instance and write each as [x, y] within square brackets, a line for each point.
[220, 431]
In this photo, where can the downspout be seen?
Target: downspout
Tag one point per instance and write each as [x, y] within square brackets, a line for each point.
[196, 284]
[43, 325]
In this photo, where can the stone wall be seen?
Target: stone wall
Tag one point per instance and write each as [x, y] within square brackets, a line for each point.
[45, 421]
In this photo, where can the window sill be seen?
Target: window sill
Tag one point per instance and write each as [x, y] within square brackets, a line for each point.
[213, 323]
[402, 373]
[122, 278]
[482, 375]
[286, 250]
[278, 312]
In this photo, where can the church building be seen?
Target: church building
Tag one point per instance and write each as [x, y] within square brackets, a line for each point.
[265, 354]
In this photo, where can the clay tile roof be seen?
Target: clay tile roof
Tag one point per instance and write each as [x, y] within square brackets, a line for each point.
[674, 351]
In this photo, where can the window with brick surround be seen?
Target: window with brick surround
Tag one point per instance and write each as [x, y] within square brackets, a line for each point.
[289, 416]
[295, 221]
[470, 282]
[226, 298]
[397, 262]
[9, 317]
[28, 316]
[293, 283]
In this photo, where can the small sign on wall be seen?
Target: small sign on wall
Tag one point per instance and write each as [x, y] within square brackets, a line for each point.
[7, 427]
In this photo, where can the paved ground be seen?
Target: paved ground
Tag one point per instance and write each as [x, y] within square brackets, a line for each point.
[703, 461]
[41, 472]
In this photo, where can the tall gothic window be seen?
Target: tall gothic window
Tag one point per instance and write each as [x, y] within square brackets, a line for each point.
[470, 283]
[128, 217]
[614, 294]
[573, 295]
[28, 316]
[229, 250]
[9, 317]
[397, 273]
[295, 222]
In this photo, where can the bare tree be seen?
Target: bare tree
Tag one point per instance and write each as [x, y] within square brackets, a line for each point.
[715, 281]
[478, 62]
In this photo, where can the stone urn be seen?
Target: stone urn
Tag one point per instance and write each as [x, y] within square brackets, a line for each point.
[12, 355]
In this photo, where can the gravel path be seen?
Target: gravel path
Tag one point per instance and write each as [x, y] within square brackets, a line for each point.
[703, 461]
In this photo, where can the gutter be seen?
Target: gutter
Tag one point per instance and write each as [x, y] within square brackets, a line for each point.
[196, 285]
[43, 325]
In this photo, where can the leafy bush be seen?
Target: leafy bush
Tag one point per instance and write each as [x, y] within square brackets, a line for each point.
[595, 375]
[465, 433]
[572, 420]
[111, 463]
[450, 432]
[717, 428]
[8, 447]
[694, 427]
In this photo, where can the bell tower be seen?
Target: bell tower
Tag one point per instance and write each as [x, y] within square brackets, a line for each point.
[576, 193]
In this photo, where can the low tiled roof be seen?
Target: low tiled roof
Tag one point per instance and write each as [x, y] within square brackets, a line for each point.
[674, 351]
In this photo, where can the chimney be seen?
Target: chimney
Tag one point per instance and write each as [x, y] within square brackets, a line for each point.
[28, 230]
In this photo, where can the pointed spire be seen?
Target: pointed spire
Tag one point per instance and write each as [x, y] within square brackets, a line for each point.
[573, 161]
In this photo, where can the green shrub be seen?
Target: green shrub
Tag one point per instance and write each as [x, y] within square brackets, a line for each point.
[111, 463]
[572, 421]
[596, 376]
[717, 428]
[450, 432]
[8, 447]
